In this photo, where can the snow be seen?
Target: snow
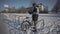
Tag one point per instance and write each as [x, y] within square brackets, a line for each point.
[48, 23]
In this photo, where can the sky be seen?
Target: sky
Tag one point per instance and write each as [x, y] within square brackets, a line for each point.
[26, 3]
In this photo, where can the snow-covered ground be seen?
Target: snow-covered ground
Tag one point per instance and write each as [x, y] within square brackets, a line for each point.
[47, 23]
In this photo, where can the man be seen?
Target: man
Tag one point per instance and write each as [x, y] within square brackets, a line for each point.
[34, 15]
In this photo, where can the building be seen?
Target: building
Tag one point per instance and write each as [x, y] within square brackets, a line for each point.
[12, 10]
[22, 10]
[43, 8]
[6, 6]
